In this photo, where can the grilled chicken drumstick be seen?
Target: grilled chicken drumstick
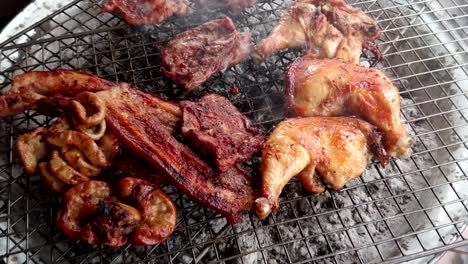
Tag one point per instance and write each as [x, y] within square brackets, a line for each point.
[331, 87]
[337, 148]
[327, 29]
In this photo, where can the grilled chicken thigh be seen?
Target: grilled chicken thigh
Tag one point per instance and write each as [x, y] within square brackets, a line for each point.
[331, 87]
[337, 148]
[326, 28]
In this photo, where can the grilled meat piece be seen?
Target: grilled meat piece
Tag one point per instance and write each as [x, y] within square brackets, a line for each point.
[358, 29]
[193, 56]
[218, 131]
[146, 12]
[324, 28]
[158, 212]
[146, 124]
[31, 149]
[47, 91]
[228, 192]
[337, 148]
[134, 212]
[26, 89]
[331, 87]
[111, 225]
[236, 6]
[80, 203]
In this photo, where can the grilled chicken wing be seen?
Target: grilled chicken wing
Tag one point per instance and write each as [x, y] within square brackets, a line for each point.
[331, 87]
[337, 148]
[325, 28]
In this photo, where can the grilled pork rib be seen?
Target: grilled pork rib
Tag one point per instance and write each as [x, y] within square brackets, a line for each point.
[336, 148]
[193, 56]
[146, 12]
[326, 29]
[330, 87]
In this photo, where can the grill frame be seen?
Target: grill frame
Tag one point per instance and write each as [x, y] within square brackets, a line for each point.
[121, 53]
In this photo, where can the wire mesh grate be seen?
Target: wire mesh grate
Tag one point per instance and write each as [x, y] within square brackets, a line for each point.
[409, 209]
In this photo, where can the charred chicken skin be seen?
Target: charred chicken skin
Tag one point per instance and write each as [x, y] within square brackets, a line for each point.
[324, 28]
[146, 12]
[330, 87]
[193, 56]
[336, 148]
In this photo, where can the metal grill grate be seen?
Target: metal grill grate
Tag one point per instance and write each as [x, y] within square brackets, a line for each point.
[410, 209]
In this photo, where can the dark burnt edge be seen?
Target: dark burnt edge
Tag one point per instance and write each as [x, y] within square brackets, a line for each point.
[376, 146]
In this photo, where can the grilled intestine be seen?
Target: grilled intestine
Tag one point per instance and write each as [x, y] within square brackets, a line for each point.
[133, 211]
[75, 148]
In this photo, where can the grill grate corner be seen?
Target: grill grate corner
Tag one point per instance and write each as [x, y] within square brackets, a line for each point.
[411, 209]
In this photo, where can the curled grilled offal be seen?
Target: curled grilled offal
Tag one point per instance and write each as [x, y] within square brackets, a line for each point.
[132, 212]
